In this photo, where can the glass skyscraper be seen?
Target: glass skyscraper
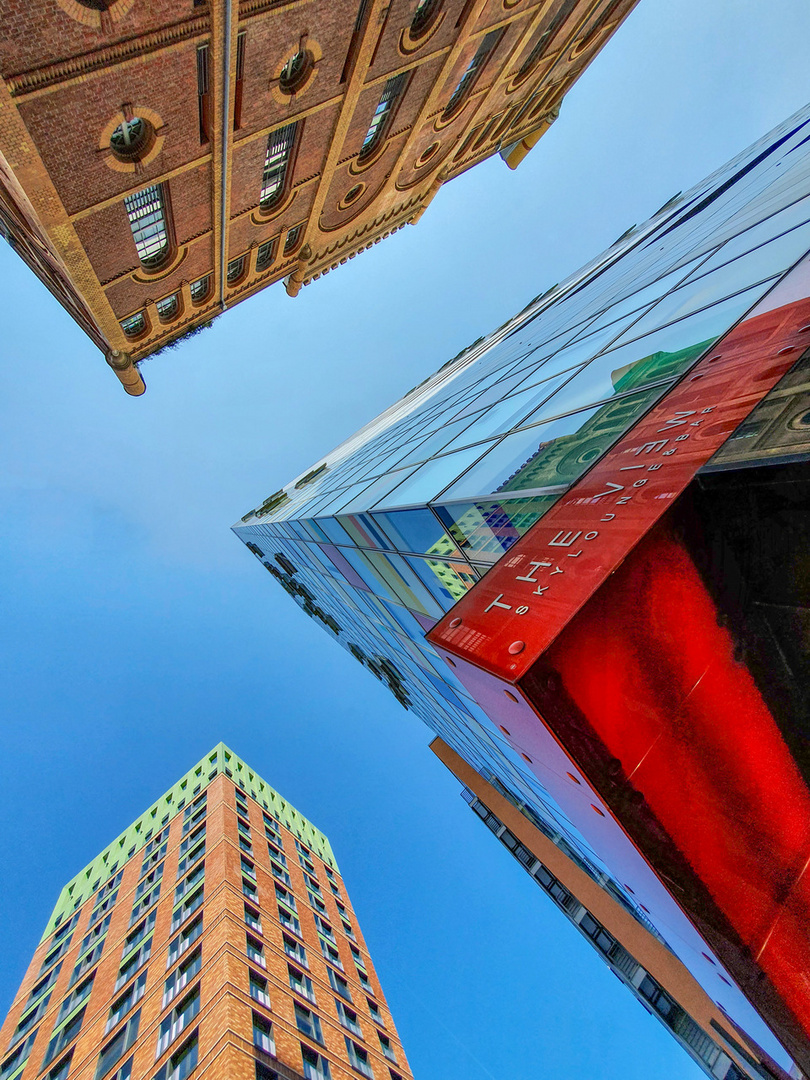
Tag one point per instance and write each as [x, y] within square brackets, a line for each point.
[388, 532]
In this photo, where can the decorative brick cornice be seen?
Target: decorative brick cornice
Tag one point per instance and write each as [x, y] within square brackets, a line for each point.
[27, 81]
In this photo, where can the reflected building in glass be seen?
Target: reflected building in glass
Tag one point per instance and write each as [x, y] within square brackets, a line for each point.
[518, 550]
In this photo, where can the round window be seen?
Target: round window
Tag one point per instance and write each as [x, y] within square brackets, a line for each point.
[296, 71]
[131, 139]
[353, 193]
[427, 154]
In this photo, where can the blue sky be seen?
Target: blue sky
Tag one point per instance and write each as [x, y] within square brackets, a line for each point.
[138, 631]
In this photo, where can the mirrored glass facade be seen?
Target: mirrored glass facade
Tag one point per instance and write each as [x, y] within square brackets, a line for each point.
[385, 534]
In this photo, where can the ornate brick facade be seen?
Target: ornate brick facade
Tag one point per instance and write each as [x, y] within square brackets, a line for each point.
[311, 129]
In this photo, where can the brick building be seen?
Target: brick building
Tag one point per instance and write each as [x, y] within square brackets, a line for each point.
[161, 162]
[214, 935]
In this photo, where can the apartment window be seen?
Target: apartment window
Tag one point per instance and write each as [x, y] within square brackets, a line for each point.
[374, 1013]
[252, 919]
[192, 838]
[312, 884]
[146, 883]
[145, 902]
[348, 1018]
[242, 827]
[17, 1058]
[30, 1018]
[182, 942]
[277, 158]
[182, 976]
[187, 907]
[168, 307]
[289, 921]
[64, 1036]
[347, 929]
[126, 1002]
[317, 903]
[339, 985]
[191, 858]
[365, 982]
[181, 1063]
[200, 289]
[73, 1000]
[240, 79]
[324, 928]
[203, 96]
[383, 113]
[134, 325]
[189, 882]
[387, 1049]
[309, 1023]
[301, 983]
[250, 890]
[133, 964]
[148, 220]
[285, 897]
[236, 270]
[263, 1035]
[470, 76]
[276, 853]
[295, 950]
[115, 1049]
[172, 1026]
[153, 855]
[255, 950]
[86, 962]
[95, 934]
[331, 954]
[358, 1057]
[61, 1068]
[43, 986]
[279, 873]
[258, 989]
[293, 238]
[248, 868]
[658, 998]
[316, 1067]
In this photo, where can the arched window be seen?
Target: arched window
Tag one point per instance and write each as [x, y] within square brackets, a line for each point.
[265, 254]
[168, 307]
[423, 16]
[134, 325]
[280, 145]
[383, 113]
[470, 76]
[236, 270]
[199, 289]
[546, 32]
[148, 220]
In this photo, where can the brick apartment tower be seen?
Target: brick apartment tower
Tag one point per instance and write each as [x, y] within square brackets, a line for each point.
[161, 162]
[214, 936]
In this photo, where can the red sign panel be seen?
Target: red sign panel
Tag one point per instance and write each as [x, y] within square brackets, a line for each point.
[514, 613]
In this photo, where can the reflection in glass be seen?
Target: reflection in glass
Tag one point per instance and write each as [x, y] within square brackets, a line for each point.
[416, 530]
[431, 478]
[447, 581]
[485, 530]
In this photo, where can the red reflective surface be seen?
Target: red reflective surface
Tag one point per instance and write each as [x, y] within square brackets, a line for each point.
[648, 666]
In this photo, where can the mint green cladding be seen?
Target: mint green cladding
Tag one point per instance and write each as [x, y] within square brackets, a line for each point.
[196, 780]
